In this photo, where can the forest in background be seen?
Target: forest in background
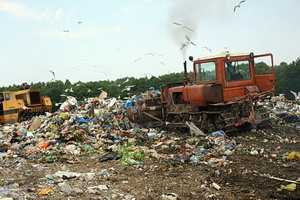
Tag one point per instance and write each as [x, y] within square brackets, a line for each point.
[287, 79]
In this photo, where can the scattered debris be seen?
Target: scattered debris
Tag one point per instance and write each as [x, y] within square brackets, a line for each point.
[84, 155]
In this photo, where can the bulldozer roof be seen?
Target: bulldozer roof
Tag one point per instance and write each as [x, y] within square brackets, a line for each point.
[223, 55]
[22, 91]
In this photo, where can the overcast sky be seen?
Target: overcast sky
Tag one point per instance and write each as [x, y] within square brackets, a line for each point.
[94, 40]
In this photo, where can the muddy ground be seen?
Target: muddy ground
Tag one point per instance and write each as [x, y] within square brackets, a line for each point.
[245, 175]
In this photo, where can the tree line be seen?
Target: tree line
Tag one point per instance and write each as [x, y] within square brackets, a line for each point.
[287, 79]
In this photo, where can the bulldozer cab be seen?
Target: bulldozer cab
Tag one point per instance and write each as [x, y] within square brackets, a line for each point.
[8, 107]
[238, 74]
[23, 104]
[1, 100]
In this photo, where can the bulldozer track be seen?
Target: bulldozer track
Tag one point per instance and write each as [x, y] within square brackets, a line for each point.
[209, 121]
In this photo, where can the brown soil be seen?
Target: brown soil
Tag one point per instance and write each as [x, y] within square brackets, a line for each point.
[243, 177]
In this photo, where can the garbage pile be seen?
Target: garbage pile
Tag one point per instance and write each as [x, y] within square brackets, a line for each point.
[94, 127]
[99, 127]
[283, 111]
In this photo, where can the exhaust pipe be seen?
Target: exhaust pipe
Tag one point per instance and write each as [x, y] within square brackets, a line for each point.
[185, 69]
[185, 78]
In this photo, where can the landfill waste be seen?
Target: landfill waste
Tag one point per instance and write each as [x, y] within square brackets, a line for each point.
[66, 174]
[283, 111]
[46, 191]
[196, 149]
[58, 147]
[216, 186]
[169, 196]
[131, 154]
[293, 156]
[291, 187]
[109, 156]
[64, 187]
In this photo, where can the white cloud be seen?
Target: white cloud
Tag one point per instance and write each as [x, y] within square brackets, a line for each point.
[80, 33]
[20, 10]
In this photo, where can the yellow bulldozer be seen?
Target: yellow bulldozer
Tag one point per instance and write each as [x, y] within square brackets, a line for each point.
[21, 105]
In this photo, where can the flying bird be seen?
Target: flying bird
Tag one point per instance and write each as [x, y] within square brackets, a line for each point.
[126, 81]
[69, 90]
[137, 59]
[177, 23]
[75, 68]
[79, 22]
[183, 45]
[188, 28]
[297, 96]
[53, 75]
[66, 31]
[183, 26]
[127, 88]
[208, 49]
[152, 54]
[189, 41]
[151, 75]
[239, 5]
[162, 63]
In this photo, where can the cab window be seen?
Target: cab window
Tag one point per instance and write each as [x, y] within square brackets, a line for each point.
[263, 65]
[1, 97]
[205, 72]
[8, 96]
[237, 70]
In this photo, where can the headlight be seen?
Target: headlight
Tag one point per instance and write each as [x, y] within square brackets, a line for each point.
[227, 56]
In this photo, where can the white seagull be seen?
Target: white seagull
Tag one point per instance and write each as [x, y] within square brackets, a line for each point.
[297, 96]
[208, 49]
[183, 26]
[152, 54]
[137, 59]
[189, 41]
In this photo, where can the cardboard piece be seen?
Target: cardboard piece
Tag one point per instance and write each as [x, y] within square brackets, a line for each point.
[35, 123]
[194, 130]
[103, 95]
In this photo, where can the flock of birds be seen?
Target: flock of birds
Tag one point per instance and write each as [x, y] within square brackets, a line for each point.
[150, 54]
[126, 88]
[183, 45]
[188, 40]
